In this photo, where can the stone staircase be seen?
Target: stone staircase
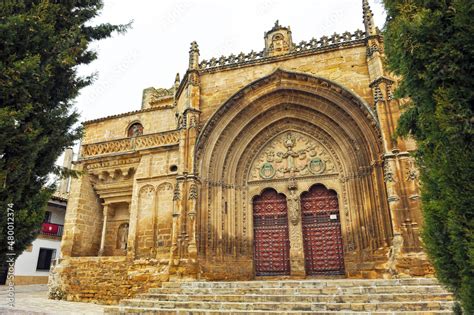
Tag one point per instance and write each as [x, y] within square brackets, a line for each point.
[342, 296]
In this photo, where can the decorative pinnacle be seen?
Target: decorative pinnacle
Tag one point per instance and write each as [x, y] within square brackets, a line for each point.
[368, 18]
[194, 47]
[177, 81]
[277, 27]
[194, 56]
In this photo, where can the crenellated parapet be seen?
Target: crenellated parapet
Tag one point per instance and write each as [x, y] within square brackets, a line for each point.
[311, 46]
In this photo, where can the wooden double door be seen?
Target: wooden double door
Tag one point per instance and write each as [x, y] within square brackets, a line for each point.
[321, 231]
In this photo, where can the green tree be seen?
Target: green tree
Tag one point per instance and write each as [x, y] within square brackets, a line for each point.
[430, 45]
[41, 44]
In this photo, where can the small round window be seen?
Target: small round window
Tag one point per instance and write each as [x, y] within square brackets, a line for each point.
[135, 130]
[173, 168]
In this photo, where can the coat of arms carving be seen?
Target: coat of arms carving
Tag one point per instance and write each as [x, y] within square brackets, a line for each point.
[292, 154]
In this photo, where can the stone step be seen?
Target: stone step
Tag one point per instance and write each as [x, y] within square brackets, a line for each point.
[295, 306]
[302, 291]
[354, 298]
[304, 283]
[399, 296]
[115, 310]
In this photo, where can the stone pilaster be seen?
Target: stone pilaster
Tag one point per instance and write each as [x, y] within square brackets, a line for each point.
[184, 247]
[402, 191]
[176, 224]
[192, 201]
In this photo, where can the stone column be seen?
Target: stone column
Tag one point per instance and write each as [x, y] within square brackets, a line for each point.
[295, 231]
[104, 230]
[67, 163]
[192, 196]
[175, 229]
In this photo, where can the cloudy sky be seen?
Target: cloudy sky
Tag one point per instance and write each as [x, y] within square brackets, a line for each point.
[156, 48]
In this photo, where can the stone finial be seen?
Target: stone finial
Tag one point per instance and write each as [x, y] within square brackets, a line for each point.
[177, 80]
[368, 18]
[194, 56]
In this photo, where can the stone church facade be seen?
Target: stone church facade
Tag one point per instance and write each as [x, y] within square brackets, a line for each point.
[278, 163]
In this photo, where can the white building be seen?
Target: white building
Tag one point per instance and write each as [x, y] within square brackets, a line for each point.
[32, 266]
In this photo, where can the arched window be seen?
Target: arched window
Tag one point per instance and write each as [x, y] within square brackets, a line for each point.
[135, 130]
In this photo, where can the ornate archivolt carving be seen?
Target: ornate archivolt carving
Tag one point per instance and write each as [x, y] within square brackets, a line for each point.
[329, 89]
[232, 149]
[292, 154]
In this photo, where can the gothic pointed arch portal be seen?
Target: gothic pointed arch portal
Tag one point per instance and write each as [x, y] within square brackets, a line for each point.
[289, 131]
[322, 237]
[271, 240]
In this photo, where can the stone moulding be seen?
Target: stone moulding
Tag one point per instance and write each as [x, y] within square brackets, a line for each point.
[304, 47]
[130, 144]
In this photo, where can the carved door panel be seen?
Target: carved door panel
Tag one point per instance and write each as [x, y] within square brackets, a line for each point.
[322, 236]
[271, 240]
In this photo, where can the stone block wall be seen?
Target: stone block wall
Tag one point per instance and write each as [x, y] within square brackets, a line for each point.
[152, 120]
[105, 279]
[347, 66]
[154, 220]
[83, 221]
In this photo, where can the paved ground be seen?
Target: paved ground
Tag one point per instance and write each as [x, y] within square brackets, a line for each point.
[33, 299]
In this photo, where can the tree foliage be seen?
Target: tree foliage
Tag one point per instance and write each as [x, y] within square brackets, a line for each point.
[430, 44]
[41, 44]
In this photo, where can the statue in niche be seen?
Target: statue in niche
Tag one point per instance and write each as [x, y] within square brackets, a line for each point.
[122, 236]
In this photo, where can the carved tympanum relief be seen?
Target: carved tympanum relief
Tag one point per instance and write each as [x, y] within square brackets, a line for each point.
[292, 154]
